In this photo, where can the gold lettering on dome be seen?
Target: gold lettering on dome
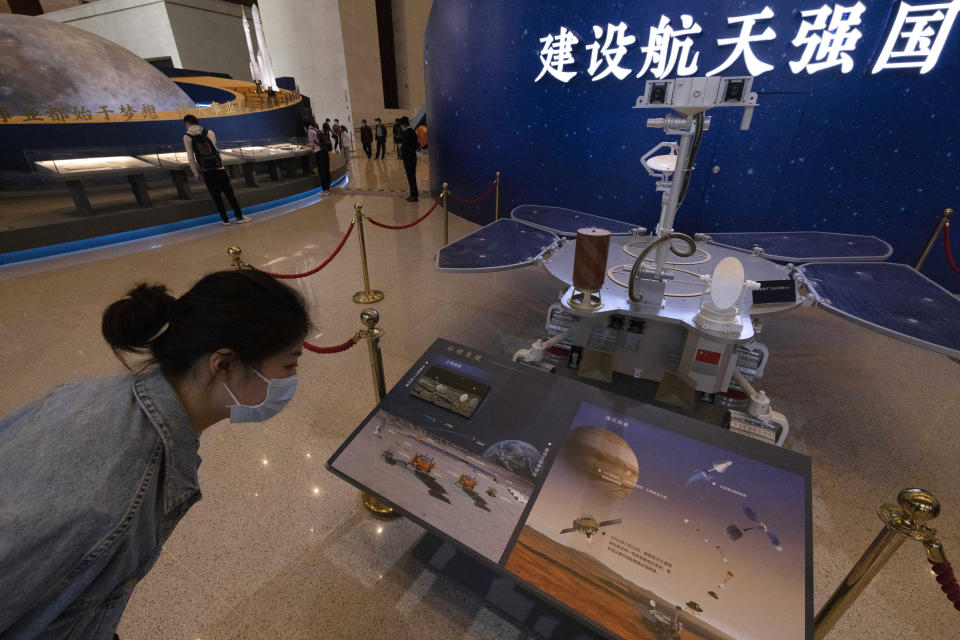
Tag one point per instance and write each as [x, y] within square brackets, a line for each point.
[106, 111]
[30, 114]
[5, 113]
[57, 112]
[128, 111]
[149, 112]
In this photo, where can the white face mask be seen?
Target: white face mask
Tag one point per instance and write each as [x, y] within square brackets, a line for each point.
[279, 393]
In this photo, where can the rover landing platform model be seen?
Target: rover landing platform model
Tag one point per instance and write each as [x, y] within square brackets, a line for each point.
[685, 311]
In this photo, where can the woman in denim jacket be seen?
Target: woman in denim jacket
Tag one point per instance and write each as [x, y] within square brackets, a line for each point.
[95, 475]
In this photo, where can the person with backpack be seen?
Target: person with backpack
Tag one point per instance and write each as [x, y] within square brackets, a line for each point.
[319, 143]
[96, 474]
[201, 146]
[380, 134]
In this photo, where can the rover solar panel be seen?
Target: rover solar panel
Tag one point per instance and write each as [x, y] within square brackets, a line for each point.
[807, 246]
[894, 299]
[503, 244]
[565, 222]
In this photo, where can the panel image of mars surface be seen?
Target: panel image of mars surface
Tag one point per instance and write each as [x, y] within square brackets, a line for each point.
[477, 500]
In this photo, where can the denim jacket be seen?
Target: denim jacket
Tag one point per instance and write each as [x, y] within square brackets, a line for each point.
[94, 476]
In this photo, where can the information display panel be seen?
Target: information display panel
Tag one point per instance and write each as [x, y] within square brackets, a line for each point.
[76, 167]
[642, 523]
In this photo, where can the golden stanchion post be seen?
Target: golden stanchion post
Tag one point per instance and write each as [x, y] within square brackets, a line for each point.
[367, 295]
[496, 210]
[446, 216]
[236, 261]
[944, 220]
[904, 520]
[370, 318]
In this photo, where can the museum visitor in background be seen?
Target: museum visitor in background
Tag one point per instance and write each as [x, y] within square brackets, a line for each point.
[205, 160]
[422, 137]
[336, 134]
[346, 142]
[366, 137]
[408, 152]
[380, 135]
[397, 129]
[319, 143]
[95, 475]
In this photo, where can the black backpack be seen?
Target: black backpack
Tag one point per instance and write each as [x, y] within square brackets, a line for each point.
[323, 140]
[208, 158]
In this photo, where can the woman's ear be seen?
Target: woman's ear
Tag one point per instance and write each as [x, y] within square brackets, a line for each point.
[222, 362]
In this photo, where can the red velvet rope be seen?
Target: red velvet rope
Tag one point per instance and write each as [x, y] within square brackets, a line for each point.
[948, 582]
[485, 194]
[407, 226]
[946, 245]
[315, 269]
[334, 349]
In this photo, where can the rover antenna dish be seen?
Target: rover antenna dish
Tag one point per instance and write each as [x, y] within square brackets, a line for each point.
[727, 283]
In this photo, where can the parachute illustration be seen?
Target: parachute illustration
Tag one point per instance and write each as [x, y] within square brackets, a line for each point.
[727, 577]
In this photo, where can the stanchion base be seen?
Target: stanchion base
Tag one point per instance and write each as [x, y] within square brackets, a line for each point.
[377, 508]
[366, 297]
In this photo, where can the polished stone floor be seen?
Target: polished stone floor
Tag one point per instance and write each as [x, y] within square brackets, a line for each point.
[280, 548]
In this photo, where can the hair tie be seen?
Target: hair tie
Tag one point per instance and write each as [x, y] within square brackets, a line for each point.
[166, 325]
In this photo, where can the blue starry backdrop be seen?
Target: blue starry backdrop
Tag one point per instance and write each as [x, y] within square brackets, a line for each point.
[855, 152]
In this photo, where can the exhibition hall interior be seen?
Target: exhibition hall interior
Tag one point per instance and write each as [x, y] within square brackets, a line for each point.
[485, 320]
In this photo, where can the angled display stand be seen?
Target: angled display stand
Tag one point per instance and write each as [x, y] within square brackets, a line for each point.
[630, 520]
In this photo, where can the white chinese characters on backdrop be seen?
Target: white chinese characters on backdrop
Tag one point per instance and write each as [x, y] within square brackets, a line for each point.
[741, 44]
[826, 38]
[667, 47]
[611, 54]
[924, 28]
[557, 53]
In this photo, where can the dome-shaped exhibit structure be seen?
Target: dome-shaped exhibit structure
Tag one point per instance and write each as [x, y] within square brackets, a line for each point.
[43, 62]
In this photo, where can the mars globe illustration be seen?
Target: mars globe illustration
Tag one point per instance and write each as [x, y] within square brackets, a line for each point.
[43, 62]
[603, 457]
[514, 455]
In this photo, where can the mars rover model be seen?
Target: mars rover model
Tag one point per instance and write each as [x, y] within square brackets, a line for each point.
[686, 311]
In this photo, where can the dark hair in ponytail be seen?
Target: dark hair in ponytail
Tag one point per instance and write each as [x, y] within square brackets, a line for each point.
[248, 312]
